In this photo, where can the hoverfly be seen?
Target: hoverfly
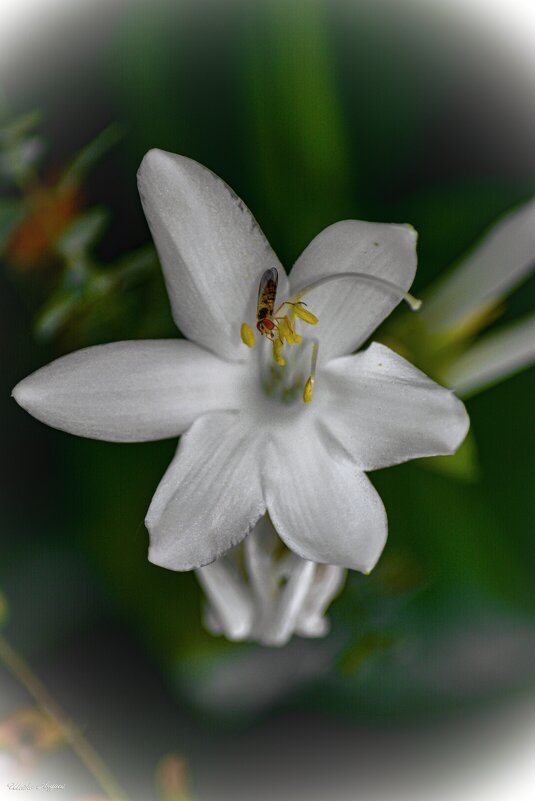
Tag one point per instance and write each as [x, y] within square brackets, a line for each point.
[267, 292]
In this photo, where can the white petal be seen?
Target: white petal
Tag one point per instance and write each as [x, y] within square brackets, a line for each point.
[384, 411]
[289, 605]
[504, 258]
[328, 582]
[210, 620]
[259, 553]
[211, 249]
[210, 497]
[131, 391]
[230, 599]
[349, 311]
[493, 358]
[322, 506]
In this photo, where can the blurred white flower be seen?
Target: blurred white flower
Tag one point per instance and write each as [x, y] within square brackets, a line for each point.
[250, 446]
[459, 305]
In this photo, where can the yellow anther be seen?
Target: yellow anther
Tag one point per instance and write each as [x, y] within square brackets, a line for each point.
[291, 336]
[277, 352]
[247, 335]
[285, 330]
[304, 314]
[308, 390]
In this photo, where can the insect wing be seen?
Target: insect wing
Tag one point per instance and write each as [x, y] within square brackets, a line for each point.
[267, 292]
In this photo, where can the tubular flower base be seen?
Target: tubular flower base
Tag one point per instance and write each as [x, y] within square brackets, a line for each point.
[251, 447]
[262, 591]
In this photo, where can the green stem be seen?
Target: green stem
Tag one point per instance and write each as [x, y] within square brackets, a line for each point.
[76, 740]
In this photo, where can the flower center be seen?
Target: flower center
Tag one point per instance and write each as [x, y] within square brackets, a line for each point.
[278, 325]
[285, 378]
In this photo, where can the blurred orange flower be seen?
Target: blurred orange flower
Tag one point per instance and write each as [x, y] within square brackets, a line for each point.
[51, 211]
[172, 779]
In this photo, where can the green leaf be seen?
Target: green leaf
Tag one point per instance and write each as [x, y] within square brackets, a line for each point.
[83, 233]
[300, 149]
[56, 313]
[12, 213]
[90, 155]
[17, 127]
[19, 160]
[135, 266]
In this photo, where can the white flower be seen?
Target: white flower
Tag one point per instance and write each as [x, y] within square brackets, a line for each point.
[469, 297]
[260, 593]
[250, 446]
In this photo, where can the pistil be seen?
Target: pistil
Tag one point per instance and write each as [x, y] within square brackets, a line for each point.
[374, 280]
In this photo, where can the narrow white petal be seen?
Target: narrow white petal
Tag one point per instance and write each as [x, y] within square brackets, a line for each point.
[349, 311]
[210, 497]
[211, 249]
[131, 391]
[210, 620]
[290, 603]
[259, 552]
[322, 506]
[230, 599]
[503, 258]
[494, 357]
[328, 581]
[384, 411]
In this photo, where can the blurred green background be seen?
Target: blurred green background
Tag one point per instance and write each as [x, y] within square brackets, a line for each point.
[313, 112]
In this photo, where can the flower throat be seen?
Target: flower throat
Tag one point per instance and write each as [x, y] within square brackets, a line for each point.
[278, 325]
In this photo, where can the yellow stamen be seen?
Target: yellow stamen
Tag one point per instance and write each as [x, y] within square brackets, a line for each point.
[277, 352]
[309, 386]
[247, 335]
[285, 330]
[292, 336]
[304, 314]
[308, 390]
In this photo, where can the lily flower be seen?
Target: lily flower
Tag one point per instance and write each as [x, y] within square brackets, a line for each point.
[283, 430]
[263, 592]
